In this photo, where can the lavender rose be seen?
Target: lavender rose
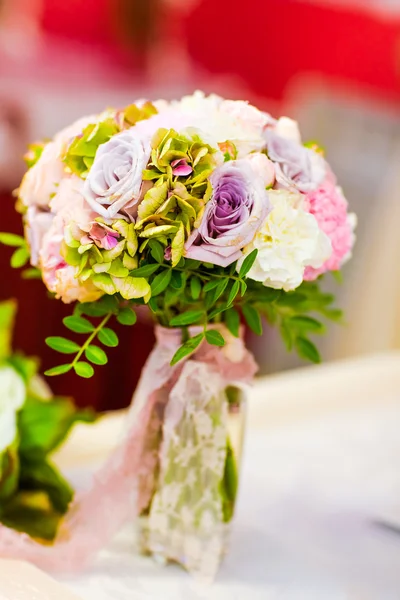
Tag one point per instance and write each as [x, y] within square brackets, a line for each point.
[238, 206]
[115, 178]
[295, 166]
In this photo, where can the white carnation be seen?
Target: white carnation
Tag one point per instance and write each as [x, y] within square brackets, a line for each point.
[12, 397]
[288, 241]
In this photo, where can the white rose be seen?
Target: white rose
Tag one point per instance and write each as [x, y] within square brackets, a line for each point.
[115, 178]
[288, 241]
[12, 397]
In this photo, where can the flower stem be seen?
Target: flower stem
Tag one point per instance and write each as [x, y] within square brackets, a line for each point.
[91, 338]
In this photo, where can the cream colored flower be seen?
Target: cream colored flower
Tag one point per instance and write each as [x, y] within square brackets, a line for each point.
[59, 277]
[288, 128]
[41, 181]
[223, 120]
[12, 398]
[288, 241]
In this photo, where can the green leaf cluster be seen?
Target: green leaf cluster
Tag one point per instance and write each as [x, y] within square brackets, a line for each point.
[79, 155]
[30, 485]
[172, 207]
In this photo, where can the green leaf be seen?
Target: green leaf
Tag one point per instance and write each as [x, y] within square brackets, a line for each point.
[43, 476]
[217, 311]
[160, 282]
[31, 274]
[248, 263]
[92, 309]
[252, 318]
[157, 251]
[214, 337]
[82, 149]
[304, 323]
[11, 239]
[287, 334]
[20, 257]
[187, 318]
[176, 280]
[191, 264]
[145, 271]
[195, 287]
[187, 348]
[178, 245]
[307, 350]
[211, 285]
[338, 276]
[132, 287]
[219, 290]
[8, 311]
[104, 282]
[234, 292]
[104, 306]
[243, 288]
[126, 316]
[44, 425]
[78, 324]
[108, 337]
[26, 514]
[153, 305]
[9, 472]
[152, 200]
[62, 345]
[334, 314]
[60, 370]
[232, 321]
[96, 355]
[291, 299]
[229, 484]
[83, 369]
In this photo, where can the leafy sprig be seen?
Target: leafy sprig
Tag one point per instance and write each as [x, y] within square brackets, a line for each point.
[104, 309]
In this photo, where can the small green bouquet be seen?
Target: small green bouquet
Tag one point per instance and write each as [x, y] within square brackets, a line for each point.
[33, 494]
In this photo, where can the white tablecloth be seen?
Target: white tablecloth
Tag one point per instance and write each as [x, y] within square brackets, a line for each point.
[321, 466]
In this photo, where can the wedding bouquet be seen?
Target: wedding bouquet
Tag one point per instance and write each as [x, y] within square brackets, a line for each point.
[33, 493]
[209, 212]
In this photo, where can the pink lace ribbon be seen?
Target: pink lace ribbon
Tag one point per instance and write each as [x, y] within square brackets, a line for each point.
[124, 485]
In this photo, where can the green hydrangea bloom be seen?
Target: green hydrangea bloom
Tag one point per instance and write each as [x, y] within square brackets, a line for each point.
[109, 269]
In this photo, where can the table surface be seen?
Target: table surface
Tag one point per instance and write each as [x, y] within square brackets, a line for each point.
[320, 470]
